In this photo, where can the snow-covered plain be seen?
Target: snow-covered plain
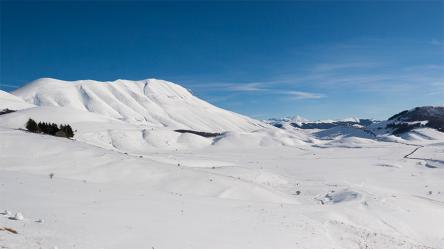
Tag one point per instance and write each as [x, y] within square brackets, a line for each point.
[128, 180]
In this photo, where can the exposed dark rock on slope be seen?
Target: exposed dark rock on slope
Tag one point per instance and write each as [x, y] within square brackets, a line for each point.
[425, 116]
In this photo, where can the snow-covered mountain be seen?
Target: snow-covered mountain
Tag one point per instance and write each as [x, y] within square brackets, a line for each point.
[424, 116]
[155, 103]
[280, 121]
[139, 116]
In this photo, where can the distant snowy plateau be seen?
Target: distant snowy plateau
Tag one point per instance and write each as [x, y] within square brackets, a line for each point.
[152, 166]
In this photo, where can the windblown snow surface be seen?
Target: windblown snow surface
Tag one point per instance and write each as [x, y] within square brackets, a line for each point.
[9, 101]
[128, 180]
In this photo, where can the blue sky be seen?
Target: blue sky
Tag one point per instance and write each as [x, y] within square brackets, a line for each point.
[316, 59]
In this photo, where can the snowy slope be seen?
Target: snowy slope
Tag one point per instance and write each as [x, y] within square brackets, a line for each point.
[367, 196]
[155, 103]
[114, 134]
[11, 102]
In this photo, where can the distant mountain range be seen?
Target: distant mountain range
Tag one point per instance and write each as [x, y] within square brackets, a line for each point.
[322, 124]
[419, 117]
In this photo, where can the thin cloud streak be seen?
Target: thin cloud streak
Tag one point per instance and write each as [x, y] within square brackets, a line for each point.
[435, 42]
[325, 67]
[333, 78]
[265, 88]
[299, 95]
[248, 87]
[9, 85]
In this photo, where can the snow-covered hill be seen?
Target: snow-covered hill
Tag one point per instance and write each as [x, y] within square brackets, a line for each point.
[140, 116]
[11, 102]
[424, 116]
[154, 103]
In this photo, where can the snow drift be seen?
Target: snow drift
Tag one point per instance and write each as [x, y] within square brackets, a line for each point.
[11, 102]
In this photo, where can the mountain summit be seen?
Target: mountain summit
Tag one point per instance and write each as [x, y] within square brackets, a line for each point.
[153, 102]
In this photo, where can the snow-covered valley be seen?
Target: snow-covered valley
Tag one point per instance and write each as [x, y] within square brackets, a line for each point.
[129, 180]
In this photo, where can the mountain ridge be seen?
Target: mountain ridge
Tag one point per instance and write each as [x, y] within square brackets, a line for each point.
[151, 102]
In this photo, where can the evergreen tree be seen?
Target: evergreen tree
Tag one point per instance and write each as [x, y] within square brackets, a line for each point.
[69, 132]
[53, 129]
[32, 126]
[42, 127]
[49, 128]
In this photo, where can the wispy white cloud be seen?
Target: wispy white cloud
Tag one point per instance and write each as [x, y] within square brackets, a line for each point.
[323, 67]
[265, 87]
[378, 75]
[299, 95]
[5, 85]
[435, 42]
[248, 87]
[333, 77]
[330, 79]
[381, 80]
[437, 89]
[232, 86]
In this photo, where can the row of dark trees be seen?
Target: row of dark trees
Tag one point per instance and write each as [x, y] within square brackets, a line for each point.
[200, 133]
[6, 111]
[49, 128]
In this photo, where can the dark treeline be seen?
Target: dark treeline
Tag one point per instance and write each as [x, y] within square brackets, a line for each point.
[49, 128]
[200, 133]
[6, 111]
